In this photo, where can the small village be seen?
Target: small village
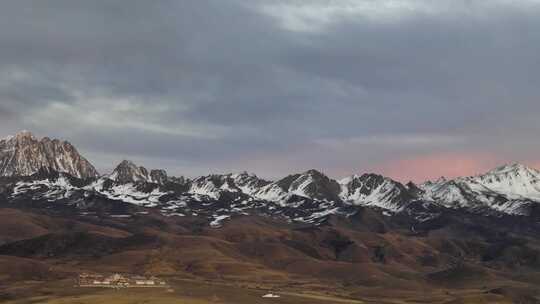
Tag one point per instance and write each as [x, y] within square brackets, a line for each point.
[119, 281]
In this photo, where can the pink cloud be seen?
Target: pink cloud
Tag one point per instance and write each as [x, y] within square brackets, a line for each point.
[428, 167]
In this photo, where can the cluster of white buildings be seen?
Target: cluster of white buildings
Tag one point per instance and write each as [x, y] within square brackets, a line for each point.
[118, 281]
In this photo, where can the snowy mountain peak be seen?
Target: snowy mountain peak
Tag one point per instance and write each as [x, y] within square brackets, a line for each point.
[310, 184]
[509, 189]
[515, 181]
[374, 190]
[23, 155]
[313, 184]
[514, 169]
[508, 175]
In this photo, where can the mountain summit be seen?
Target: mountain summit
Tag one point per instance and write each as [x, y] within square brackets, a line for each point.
[24, 155]
[516, 181]
[129, 172]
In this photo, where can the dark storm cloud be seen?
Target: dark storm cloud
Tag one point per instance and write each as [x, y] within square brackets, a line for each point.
[273, 85]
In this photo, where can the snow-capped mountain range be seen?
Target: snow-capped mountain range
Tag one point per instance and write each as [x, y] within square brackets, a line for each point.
[52, 171]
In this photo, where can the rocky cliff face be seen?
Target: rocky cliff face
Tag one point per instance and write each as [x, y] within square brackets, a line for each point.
[24, 155]
[158, 176]
[129, 172]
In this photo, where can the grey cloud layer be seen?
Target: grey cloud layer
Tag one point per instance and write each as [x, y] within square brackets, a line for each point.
[277, 86]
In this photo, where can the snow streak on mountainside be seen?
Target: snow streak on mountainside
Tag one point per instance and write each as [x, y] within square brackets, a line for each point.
[24, 155]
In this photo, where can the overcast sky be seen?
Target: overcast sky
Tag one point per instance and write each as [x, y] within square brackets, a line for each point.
[413, 89]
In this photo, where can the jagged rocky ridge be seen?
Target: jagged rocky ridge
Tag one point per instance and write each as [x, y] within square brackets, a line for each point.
[24, 154]
[128, 172]
[308, 197]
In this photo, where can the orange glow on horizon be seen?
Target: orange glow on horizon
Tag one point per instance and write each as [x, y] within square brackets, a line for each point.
[429, 167]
